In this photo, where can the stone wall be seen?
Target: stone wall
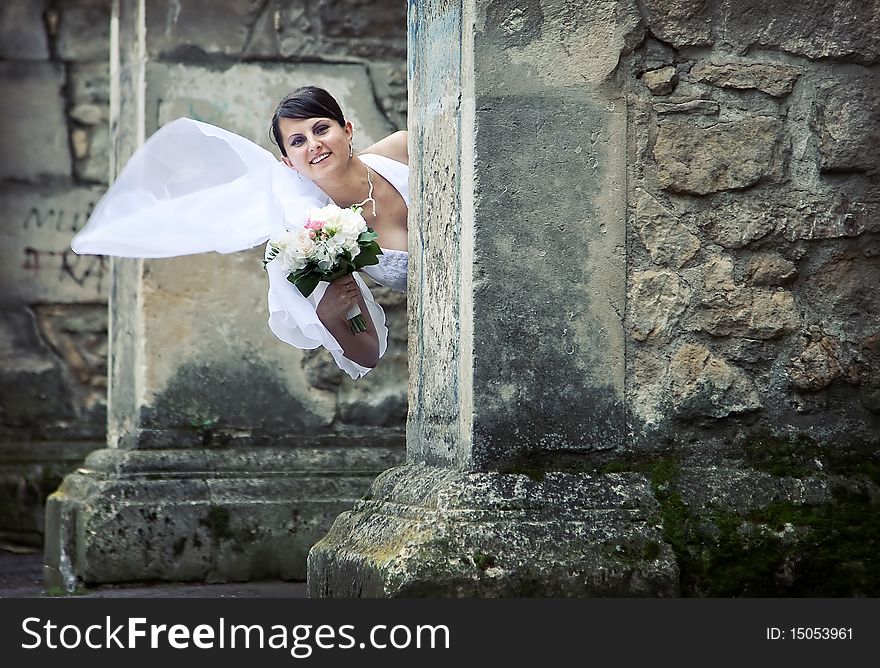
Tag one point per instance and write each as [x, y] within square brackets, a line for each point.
[54, 155]
[753, 320]
[753, 230]
[53, 313]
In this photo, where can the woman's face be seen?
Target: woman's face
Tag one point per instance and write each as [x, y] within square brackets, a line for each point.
[316, 147]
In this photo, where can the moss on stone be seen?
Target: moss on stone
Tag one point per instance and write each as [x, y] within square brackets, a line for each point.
[782, 549]
[483, 561]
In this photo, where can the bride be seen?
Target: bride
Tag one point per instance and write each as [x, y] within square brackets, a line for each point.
[193, 187]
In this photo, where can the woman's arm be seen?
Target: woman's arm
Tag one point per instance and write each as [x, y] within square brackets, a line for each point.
[393, 146]
[361, 348]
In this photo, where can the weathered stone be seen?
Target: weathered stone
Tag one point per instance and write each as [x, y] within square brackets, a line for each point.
[842, 289]
[818, 365]
[352, 28]
[847, 122]
[31, 102]
[736, 222]
[653, 55]
[828, 217]
[774, 79]
[175, 28]
[839, 29]
[84, 30]
[79, 140]
[704, 385]
[666, 238]
[36, 263]
[380, 398]
[657, 300]
[90, 84]
[89, 114]
[726, 156]
[679, 22]
[361, 19]
[184, 514]
[769, 269]
[729, 309]
[662, 81]
[707, 107]
[22, 31]
[94, 167]
[737, 490]
[33, 388]
[425, 531]
[760, 314]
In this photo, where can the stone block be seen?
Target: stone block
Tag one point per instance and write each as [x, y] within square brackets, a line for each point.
[662, 81]
[759, 314]
[847, 122]
[679, 22]
[705, 385]
[657, 300]
[179, 27]
[839, 29]
[32, 104]
[770, 269]
[666, 238]
[89, 84]
[817, 365]
[726, 156]
[94, 165]
[22, 31]
[33, 387]
[37, 264]
[242, 97]
[84, 30]
[775, 79]
[706, 107]
[840, 288]
[735, 221]
[215, 515]
[422, 531]
[727, 308]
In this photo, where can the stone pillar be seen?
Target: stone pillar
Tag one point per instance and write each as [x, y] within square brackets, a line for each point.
[223, 460]
[517, 238]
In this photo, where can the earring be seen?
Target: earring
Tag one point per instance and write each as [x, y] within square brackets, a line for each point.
[350, 150]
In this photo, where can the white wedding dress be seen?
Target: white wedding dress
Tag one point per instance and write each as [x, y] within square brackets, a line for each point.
[193, 188]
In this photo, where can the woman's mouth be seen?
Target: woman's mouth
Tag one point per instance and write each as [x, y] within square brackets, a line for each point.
[319, 158]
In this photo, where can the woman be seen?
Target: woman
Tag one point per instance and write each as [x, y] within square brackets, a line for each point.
[315, 141]
[193, 187]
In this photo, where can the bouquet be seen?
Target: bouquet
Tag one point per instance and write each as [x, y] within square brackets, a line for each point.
[332, 243]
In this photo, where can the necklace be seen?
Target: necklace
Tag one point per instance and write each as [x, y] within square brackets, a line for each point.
[370, 193]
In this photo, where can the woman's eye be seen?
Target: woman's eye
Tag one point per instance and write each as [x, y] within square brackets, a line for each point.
[297, 141]
[321, 129]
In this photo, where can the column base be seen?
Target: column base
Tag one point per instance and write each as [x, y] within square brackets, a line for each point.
[424, 531]
[201, 514]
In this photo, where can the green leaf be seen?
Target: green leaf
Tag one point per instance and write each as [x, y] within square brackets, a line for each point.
[305, 284]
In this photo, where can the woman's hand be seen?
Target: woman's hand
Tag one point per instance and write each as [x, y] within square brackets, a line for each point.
[341, 295]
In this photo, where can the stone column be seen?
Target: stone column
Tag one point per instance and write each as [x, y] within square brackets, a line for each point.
[223, 461]
[517, 238]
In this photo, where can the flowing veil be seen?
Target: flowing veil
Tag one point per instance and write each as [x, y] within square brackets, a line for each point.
[193, 188]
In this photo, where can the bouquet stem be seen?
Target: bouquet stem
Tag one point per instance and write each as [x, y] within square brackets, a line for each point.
[356, 322]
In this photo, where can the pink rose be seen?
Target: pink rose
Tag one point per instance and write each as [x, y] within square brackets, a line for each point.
[314, 224]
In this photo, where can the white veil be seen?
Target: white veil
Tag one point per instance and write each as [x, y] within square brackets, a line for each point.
[193, 188]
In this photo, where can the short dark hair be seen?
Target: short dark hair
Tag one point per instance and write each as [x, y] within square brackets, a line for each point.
[305, 102]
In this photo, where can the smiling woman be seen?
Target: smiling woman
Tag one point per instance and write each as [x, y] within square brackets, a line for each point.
[193, 187]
